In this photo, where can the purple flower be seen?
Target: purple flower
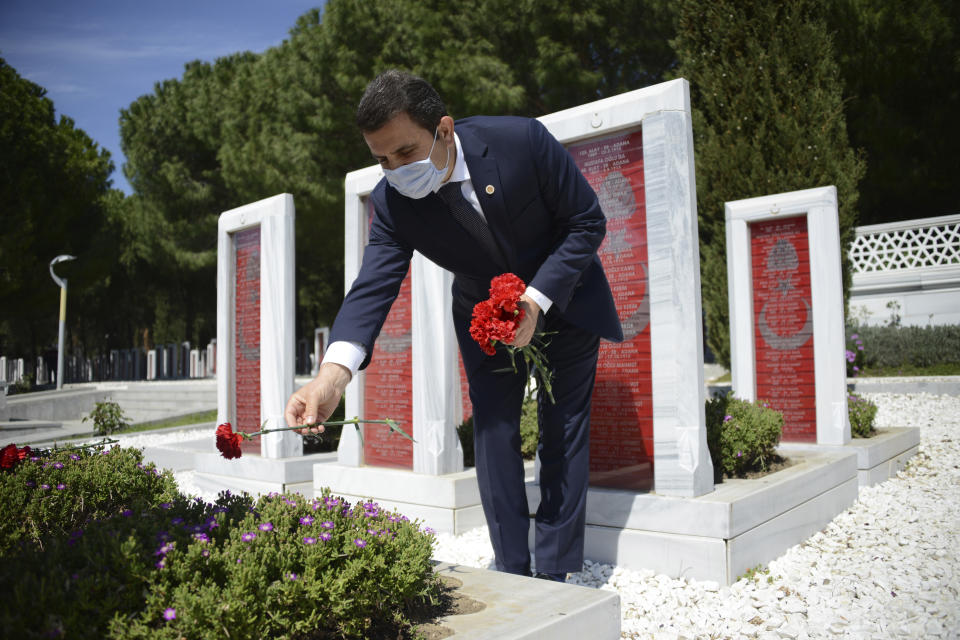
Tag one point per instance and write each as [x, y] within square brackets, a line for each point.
[212, 523]
[177, 521]
[44, 486]
[429, 531]
[309, 540]
[161, 563]
[854, 336]
[169, 614]
[249, 536]
[856, 368]
[739, 453]
[292, 576]
[266, 526]
[31, 484]
[727, 418]
[202, 537]
[61, 486]
[126, 513]
[74, 456]
[58, 465]
[165, 505]
[359, 542]
[306, 521]
[205, 553]
[851, 356]
[325, 535]
[327, 524]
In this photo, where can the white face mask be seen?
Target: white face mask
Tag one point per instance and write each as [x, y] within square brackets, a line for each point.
[418, 179]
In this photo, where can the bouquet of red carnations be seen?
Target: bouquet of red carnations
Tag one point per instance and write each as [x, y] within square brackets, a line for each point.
[495, 320]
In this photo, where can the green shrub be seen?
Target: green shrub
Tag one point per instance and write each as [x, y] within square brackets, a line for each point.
[107, 417]
[862, 414]
[895, 347]
[465, 432]
[529, 429]
[185, 568]
[52, 496]
[741, 436]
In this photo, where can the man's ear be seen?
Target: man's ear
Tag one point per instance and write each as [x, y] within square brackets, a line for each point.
[446, 129]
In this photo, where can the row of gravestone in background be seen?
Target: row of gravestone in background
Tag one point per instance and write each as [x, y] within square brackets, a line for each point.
[167, 362]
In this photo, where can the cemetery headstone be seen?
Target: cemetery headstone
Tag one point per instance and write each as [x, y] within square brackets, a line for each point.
[786, 311]
[255, 316]
[636, 149]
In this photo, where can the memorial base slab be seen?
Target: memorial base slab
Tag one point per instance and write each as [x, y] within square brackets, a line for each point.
[448, 503]
[718, 536]
[251, 473]
[879, 457]
[522, 608]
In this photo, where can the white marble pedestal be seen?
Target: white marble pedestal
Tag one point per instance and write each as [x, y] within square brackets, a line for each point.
[448, 503]
[718, 536]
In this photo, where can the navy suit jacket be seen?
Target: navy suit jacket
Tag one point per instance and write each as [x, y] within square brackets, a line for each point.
[541, 211]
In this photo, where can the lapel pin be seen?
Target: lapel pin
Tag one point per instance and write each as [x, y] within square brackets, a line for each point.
[489, 189]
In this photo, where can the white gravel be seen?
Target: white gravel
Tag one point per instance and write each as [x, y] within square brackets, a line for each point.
[887, 567]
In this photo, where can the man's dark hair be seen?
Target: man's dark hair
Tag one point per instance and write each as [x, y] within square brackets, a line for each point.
[393, 92]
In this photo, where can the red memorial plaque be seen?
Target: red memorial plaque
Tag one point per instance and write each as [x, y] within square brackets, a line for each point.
[388, 384]
[783, 321]
[621, 419]
[464, 389]
[246, 323]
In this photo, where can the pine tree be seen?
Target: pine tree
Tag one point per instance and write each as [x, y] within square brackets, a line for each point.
[768, 117]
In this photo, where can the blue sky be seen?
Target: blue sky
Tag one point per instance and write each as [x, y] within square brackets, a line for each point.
[95, 57]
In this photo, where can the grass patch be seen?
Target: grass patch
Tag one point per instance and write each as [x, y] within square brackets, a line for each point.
[910, 370]
[181, 421]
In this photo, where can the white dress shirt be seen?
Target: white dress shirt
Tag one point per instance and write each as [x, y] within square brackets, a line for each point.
[352, 354]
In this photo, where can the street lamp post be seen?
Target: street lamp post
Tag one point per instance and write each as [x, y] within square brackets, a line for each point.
[62, 282]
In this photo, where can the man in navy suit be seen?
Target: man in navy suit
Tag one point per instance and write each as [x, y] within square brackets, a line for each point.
[499, 195]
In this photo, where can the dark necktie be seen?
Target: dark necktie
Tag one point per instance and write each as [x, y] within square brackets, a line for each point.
[468, 218]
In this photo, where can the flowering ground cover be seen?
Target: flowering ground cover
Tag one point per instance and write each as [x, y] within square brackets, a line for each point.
[99, 545]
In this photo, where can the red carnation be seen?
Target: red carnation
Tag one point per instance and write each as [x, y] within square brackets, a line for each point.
[497, 318]
[23, 453]
[505, 291]
[228, 442]
[9, 457]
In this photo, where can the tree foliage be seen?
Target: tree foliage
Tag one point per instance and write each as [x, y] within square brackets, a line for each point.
[767, 118]
[54, 188]
[900, 63]
[251, 126]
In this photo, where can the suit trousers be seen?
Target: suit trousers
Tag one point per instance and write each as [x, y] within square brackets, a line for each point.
[564, 449]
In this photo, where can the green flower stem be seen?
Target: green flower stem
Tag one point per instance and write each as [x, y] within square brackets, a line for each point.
[355, 421]
[103, 442]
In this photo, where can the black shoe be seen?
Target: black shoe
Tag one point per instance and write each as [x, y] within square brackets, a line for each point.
[554, 577]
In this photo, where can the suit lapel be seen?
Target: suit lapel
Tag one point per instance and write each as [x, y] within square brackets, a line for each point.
[485, 177]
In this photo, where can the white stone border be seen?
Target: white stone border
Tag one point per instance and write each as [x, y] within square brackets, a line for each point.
[275, 217]
[682, 465]
[819, 205]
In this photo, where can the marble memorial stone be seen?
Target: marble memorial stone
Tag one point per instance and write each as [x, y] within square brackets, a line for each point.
[255, 315]
[786, 311]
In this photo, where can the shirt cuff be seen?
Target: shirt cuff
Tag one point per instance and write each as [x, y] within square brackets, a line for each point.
[346, 354]
[542, 300]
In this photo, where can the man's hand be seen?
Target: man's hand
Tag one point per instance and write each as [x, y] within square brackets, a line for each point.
[317, 400]
[529, 323]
